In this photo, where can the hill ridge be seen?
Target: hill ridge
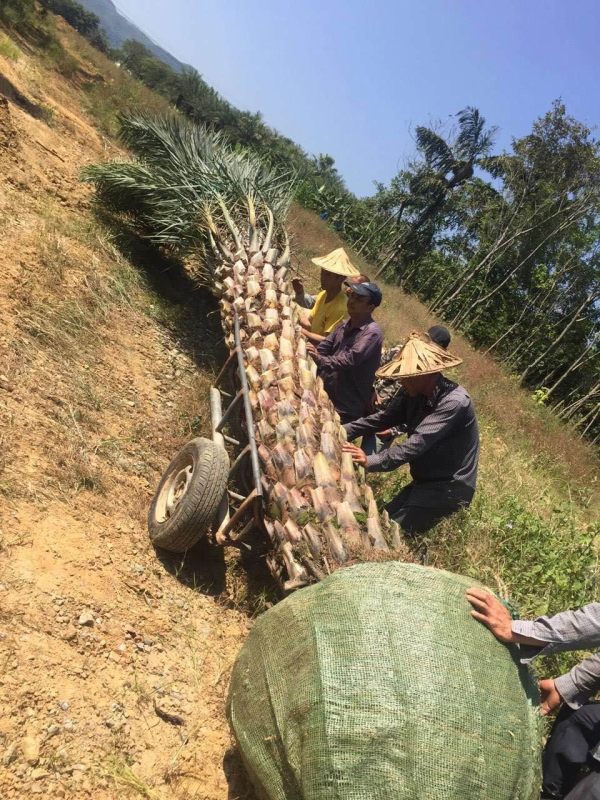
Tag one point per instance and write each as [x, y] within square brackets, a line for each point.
[119, 28]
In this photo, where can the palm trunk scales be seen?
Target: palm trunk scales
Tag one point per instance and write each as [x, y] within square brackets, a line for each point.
[319, 514]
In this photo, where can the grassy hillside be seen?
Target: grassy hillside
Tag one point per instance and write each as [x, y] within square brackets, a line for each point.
[106, 355]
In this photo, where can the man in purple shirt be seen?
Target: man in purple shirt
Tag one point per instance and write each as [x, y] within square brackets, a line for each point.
[349, 357]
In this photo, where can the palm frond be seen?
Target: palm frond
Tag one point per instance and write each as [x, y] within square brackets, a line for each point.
[473, 140]
[187, 184]
[436, 151]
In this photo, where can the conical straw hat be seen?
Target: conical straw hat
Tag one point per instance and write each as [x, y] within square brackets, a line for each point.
[419, 356]
[337, 261]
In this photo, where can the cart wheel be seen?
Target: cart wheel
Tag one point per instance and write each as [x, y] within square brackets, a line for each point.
[188, 496]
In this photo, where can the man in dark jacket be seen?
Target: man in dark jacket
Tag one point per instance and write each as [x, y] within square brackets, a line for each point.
[349, 357]
[442, 445]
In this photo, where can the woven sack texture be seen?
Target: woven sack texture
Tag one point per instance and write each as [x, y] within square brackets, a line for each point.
[377, 683]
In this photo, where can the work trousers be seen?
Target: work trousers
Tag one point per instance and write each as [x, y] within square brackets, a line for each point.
[575, 734]
[411, 510]
[586, 789]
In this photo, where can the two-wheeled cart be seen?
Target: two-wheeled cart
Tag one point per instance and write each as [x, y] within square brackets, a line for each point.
[214, 486]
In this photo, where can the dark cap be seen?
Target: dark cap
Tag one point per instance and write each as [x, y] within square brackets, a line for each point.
[367, 289]
[439, 335]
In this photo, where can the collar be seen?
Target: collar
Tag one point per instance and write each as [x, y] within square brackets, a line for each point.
[442, 387]
[359, 327]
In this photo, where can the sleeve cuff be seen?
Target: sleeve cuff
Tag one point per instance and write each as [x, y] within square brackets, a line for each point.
[373, 463]
[527, 652]
[569, 692]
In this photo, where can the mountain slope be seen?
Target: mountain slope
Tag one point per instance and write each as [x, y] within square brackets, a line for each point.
[118, 29]
[106, 356]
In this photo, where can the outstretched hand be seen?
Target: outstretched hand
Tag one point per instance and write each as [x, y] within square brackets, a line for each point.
[492, 613]
[358, 456]
[550, 698]
[297, 286]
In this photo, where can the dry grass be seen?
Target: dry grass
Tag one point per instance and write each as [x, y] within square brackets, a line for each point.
[108, 89]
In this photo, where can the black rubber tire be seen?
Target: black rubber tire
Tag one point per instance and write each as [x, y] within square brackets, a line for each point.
[203, 468]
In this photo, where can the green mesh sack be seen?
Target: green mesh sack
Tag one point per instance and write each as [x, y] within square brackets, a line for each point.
[378, 683]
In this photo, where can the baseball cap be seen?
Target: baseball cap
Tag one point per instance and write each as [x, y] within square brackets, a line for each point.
[367, 289]
[439, 335]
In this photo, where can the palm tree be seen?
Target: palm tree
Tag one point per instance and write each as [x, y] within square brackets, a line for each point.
[189, 190]
[445, 167]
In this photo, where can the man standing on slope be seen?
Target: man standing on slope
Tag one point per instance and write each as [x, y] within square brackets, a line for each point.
[348, 358]
[442, 445]
[574, 743]
[330, 306]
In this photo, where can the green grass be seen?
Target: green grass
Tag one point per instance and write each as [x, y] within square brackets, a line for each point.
[8, 48]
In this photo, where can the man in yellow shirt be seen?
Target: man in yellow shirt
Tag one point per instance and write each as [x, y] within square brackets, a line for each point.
[330, 306]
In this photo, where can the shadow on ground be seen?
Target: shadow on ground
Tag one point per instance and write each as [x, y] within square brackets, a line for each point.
[201, 568]
[238, 783]
[192, 317]
[190, 312]
[10, 91]
[240, 579]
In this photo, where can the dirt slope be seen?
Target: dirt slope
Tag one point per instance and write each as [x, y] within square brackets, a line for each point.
[105, 361]
[98, 388]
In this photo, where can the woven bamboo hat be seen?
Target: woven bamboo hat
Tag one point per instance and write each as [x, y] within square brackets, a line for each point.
[338, 262]
[419, 356]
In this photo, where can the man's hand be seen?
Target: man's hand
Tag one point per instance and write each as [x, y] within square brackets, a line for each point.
[489, 610]
[386, 434]
[550, 698]
[297, 286]
[358, 456]
[311, 349]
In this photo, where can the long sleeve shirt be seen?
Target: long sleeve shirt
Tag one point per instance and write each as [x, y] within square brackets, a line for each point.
[347, 361]
[569, 630]
[442, 445]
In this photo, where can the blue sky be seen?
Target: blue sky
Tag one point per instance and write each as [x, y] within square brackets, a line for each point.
[353, 78]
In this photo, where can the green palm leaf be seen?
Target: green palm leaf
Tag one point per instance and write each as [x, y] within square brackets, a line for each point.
[187, 187]
[437, 152]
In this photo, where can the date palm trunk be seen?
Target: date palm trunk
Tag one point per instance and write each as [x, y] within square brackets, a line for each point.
[225, 209]
[320, 512]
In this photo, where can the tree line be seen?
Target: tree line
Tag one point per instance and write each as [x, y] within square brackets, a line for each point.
[505, 247]
[502, 246]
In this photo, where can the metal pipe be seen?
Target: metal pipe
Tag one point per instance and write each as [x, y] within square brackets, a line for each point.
[225, 367]
[245, 452]
[222, 517]
[247, 408]
[221, 535]
[230, 408]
